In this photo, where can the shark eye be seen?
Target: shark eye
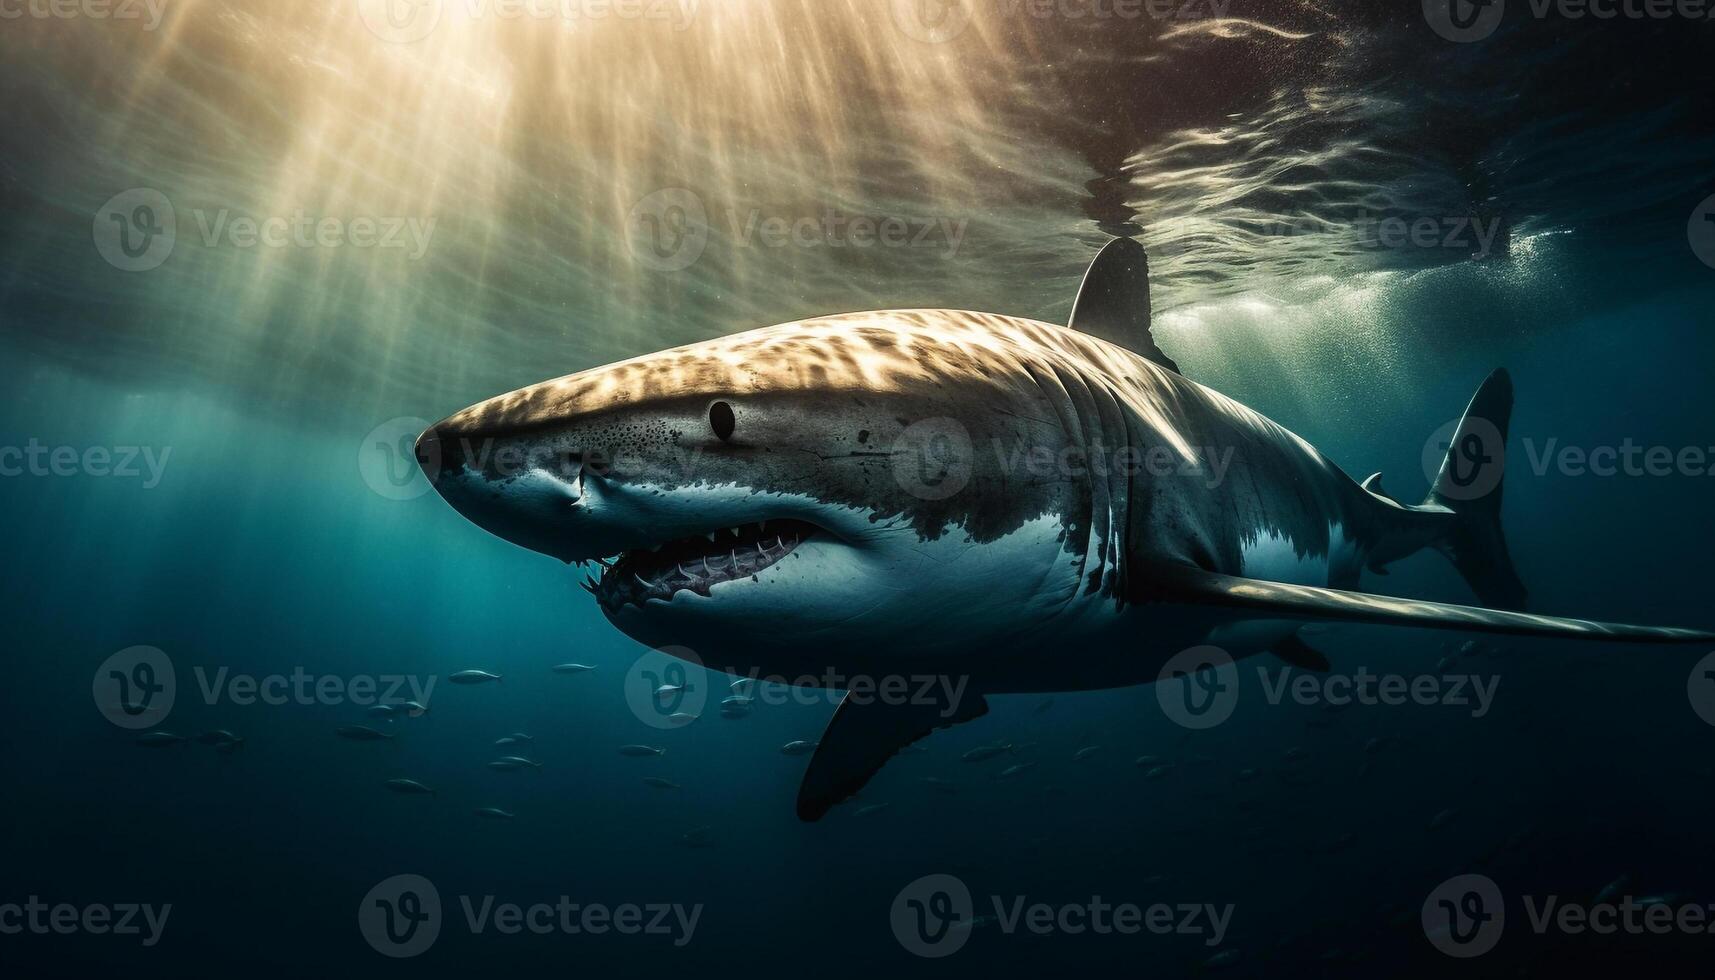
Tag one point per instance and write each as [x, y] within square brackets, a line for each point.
[721, 420]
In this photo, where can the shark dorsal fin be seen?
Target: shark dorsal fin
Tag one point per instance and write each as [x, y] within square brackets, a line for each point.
[1113, 302]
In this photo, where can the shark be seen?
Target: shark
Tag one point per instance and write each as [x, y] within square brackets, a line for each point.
[1007, 505]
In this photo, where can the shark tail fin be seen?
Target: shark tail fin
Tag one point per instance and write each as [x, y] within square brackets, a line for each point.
[1469, 485]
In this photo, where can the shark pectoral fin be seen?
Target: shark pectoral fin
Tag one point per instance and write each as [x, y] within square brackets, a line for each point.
[1254, 598]
[1302, 655]
[865, 733]
[1113, 302]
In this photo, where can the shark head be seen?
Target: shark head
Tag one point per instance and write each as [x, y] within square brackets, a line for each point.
[788, 494]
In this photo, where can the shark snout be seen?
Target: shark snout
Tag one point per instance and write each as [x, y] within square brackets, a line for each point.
[505, 483]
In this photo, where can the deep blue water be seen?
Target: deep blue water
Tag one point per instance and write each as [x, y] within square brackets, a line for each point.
[263, 549]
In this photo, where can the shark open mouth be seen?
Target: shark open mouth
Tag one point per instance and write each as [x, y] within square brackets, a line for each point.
[697, 563]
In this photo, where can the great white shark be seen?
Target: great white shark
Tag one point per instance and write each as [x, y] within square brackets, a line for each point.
[946, 494]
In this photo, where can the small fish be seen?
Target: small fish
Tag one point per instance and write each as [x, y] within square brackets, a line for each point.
[1441, 819]
[1295, 753]
[659, 783]
[666, 690]
[219, 737]
[640, 751]
[521, 737]
[409, 787]
[512, 762]
[735, 711]
[864, 811]
[508, 740]
[739, 699]
[1085, 752]
[385, 710]
[974, 922]
[1221, 960]
[361, 733]
[572, 668]
[1145, 760]
[160, 740]
[799, 747]
[414, 709]
[681, 718]
[493, 813]
[742, 685]
[1011, 771]
[1246, 775]
[1157, 772]
[983, 753]
[473, 677]
[1043, 706]
[1613, 890]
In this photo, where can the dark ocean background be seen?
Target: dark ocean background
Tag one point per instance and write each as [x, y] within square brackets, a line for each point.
[1247, 152]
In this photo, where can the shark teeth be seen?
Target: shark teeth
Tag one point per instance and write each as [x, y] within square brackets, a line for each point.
[695, 563]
